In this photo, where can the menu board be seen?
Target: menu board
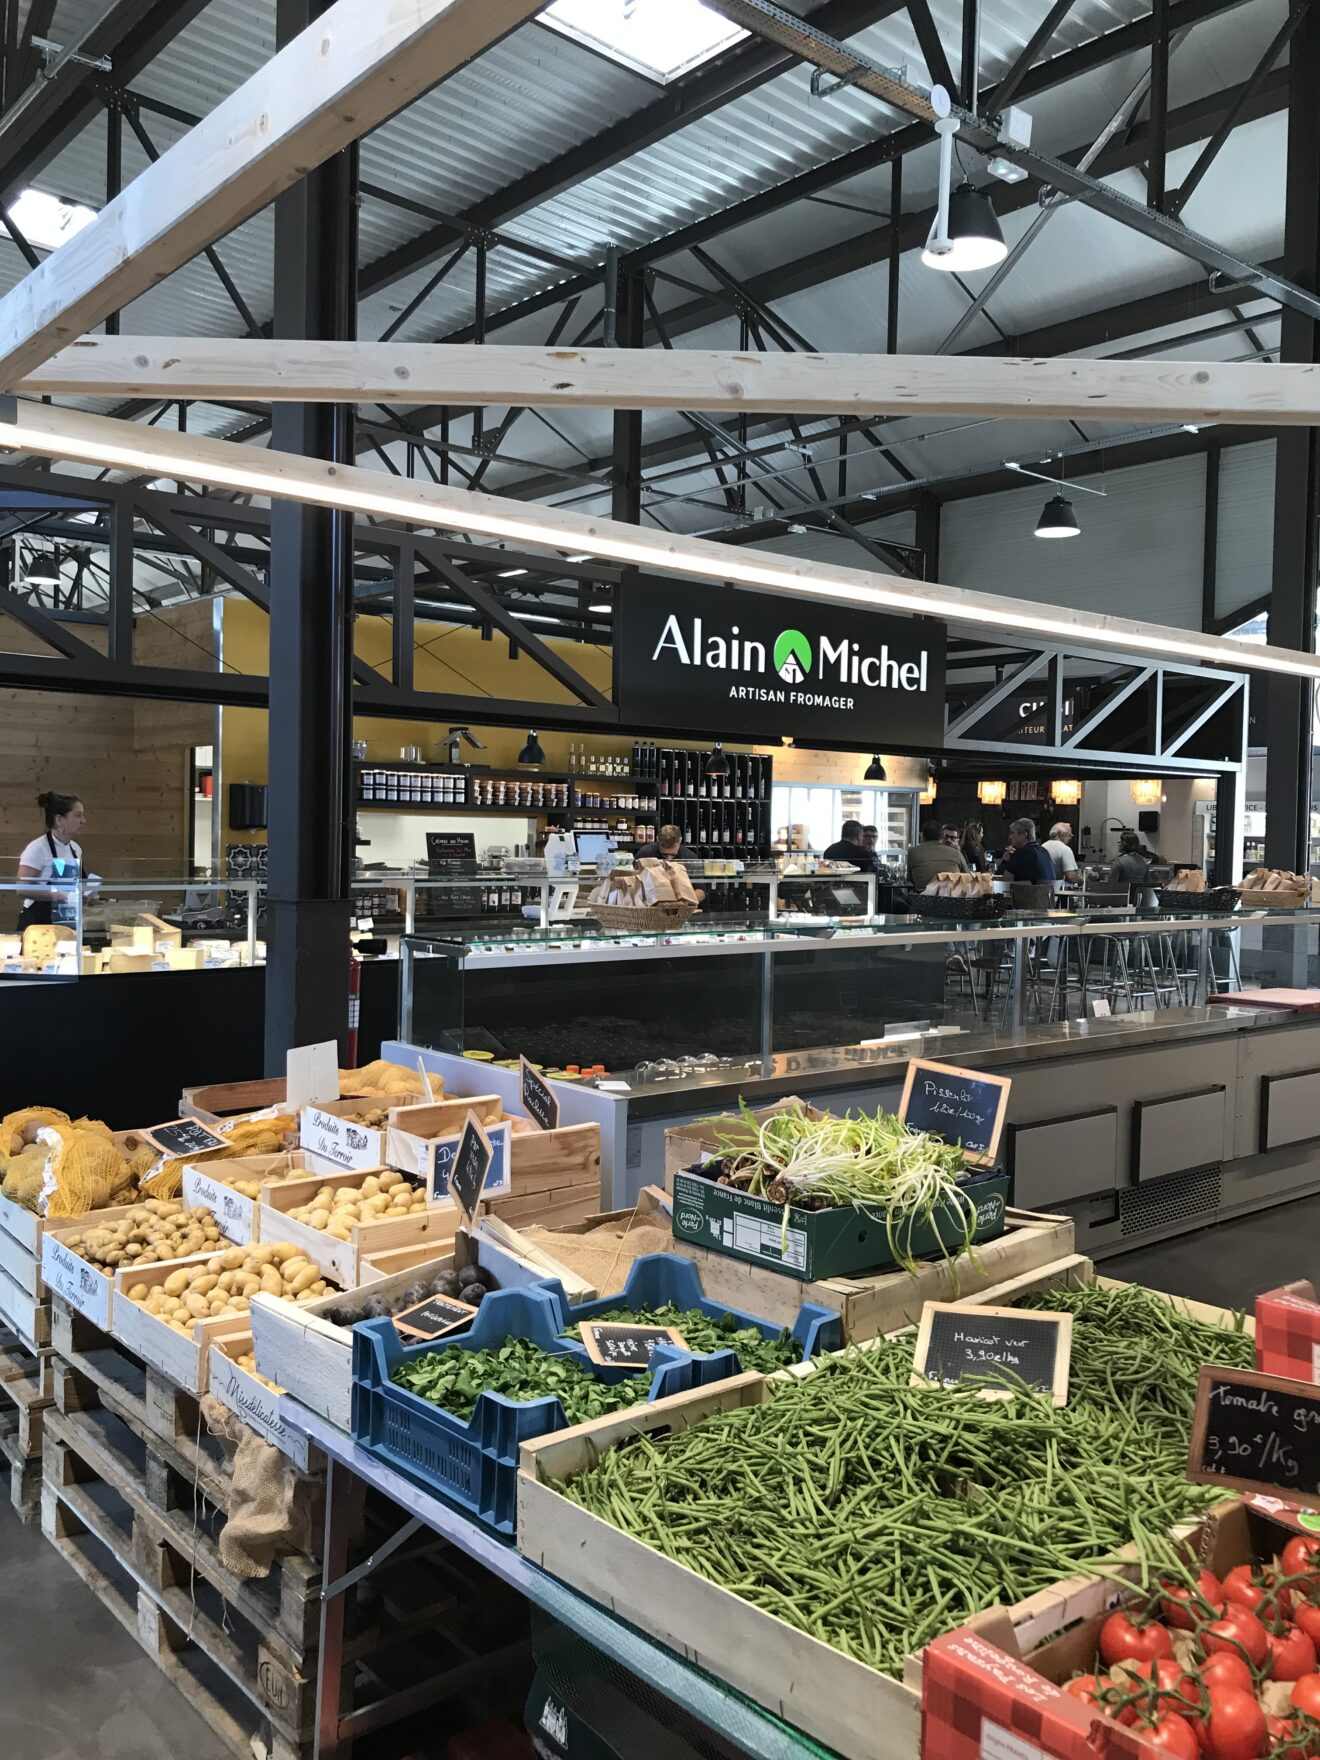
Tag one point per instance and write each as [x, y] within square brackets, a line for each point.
[434, 1317]
[956, 1344]
[539, 1099]
[472, 1161]
[961, 1105]
[619, 1344]
[184, 1136]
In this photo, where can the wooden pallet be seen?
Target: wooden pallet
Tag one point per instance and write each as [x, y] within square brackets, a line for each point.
[244, 1653]
[26, 1390]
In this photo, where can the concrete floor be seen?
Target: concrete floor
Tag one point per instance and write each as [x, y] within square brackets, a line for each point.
[73, 1683]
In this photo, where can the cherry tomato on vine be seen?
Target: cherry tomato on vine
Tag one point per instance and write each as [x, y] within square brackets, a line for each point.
[1292, 1654]
[1171, 1734]
[1234, 1728]
[1123, 1639]
[1283, 1730]
[1240, 1631]
[1307, 1615]
[1306, 1695]
[1253, 1586]
[1225, 1668]
[1087, 1688]
[1180, 1604]
[1299, 1555]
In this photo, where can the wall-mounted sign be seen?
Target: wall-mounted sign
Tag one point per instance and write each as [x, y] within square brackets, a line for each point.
[700, 655]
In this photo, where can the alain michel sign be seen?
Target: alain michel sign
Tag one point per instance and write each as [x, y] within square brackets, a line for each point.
[699, 655]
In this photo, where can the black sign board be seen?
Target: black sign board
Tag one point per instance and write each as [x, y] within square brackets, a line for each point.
[959, 1105]
[434, 1317]
[538, 1097]
[185, 1136]
[963, 1343]
[1256, 1432]
[472, 1161]
[695, 654]
[617, 1345]
[451, 846]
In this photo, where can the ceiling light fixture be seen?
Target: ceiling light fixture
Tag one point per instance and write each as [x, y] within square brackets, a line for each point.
[1066, 792]
[531, 752]
[716, 764]
[875, 770]
[601, 610]
[992, 794]
[965, 234]
[56, 432]
[1057, 519]
[1147, 791]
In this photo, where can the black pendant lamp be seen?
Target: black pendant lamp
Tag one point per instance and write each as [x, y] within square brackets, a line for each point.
[716, 763]
[531, 752]
[1057, 519]
[875, 770]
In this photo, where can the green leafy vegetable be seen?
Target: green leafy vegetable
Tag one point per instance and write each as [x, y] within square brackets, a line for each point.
[455, 1379]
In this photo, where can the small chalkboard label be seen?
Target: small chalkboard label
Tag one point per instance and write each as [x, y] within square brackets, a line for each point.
[538, 1097]
[434, 1317]
[472, 1161]
[1256, 1432]
[616, 1344]
[184, 1136]
[957, 1344]
[959, 1105]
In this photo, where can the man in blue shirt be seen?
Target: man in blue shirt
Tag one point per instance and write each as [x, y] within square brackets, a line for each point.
[1026, 859]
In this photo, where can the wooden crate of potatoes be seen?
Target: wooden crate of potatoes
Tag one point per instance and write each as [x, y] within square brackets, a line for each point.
[337, 1218]
[80, 1258]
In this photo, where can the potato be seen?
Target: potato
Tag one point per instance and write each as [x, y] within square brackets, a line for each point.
[390, 1179]
[198, 1307]
[340, 1231]
[138, 1293]
[176, 1283]
[204, 1285]
[319, 1218]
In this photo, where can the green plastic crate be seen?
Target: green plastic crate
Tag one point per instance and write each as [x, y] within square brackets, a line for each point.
[823, 1243]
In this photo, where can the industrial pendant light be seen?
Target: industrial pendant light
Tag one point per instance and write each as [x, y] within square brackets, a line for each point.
[875, 770]
[965, 235]
[716, 763]
[531, 752]
[1057, 519]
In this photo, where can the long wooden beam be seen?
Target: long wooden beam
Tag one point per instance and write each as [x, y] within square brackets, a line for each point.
[239, 370]
[121, 445]
[359, 63]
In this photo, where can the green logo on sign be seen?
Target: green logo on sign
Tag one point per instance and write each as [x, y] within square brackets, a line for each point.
[792, 656]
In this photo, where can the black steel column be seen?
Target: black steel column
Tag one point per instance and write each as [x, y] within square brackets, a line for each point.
[311, 649]
[626, 475]
[1293, 584]
[928, 535]
[1210, 542]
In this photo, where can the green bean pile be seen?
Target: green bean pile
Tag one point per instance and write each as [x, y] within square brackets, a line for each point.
[874, 1515]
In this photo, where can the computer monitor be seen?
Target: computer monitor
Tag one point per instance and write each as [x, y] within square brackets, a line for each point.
[591, 845]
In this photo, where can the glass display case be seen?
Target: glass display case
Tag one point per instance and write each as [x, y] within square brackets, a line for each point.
[581, 996]
[111, 926]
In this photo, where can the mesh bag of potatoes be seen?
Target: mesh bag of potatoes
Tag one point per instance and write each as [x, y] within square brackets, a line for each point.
[392, 1080]
[222, 1286]
[335, 1209]
[149, 1234]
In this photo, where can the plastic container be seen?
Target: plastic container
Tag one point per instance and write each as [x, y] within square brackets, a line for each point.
[658, 1279]
[474, 1462]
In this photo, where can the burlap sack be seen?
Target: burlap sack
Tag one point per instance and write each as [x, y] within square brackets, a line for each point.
[269, 1506]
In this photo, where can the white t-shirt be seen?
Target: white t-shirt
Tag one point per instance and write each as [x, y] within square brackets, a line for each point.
[1065, 862]
[37, 855]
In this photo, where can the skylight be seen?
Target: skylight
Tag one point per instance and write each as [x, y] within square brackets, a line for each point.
[660, 38]
[47, 221]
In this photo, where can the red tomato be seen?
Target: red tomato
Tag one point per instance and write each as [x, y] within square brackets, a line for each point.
[1307, 1615]
[1175, 1690]
[1253, 1586]
[1299, 1555]
[1087, 1688]
[1306, 1694]
[1234, 1728]
[1292, 1654]
[1225, 1668]
[1281, 1730]
[1240, 1631]
[1181, 1604]
[1124, 1639]
[1171, 1734]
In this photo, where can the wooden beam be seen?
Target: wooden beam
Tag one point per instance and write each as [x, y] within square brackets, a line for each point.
[357, 65]
[241, 370]
[120, 445]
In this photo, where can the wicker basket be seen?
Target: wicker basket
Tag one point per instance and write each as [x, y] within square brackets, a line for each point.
[1215, 898]
[636, 919]
[1252, 900]
[967, 910]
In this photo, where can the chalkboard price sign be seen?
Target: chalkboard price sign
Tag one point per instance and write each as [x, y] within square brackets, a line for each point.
[959, 1344]
[617, 1345]
[185, 1136]
[472, 1161]
[538, 1097]
[434, 1317]
[1256, 1432]
[960, 1105]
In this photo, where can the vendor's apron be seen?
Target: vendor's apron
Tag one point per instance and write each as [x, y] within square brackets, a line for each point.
[55, 910]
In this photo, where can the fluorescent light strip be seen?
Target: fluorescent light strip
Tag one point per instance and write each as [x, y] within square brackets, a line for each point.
[104, 440]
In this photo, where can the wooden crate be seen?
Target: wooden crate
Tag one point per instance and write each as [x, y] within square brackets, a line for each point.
[335, 1136]
[342, 1260]
[238, 1216]
[27, 1315]
[20, 1248]
[216, 1100]
[414, 1130]
[183, 1356]
[312, 1360]
[556, 1177]
[67, 1274]
[257, 1404]
[887, 1300]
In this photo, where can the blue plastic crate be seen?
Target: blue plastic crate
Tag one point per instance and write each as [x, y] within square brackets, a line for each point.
[474, 1462]
[658, 1279]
